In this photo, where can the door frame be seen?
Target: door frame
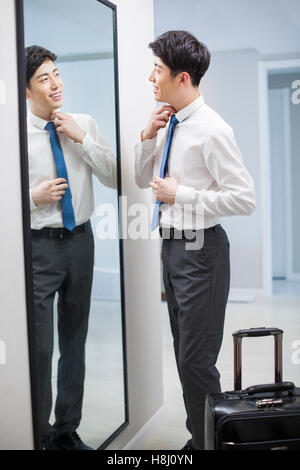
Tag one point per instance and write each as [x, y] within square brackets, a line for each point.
[284, 94]
[264, 68]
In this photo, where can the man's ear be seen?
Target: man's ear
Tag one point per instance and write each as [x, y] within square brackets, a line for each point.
[184, 79]
[27, 93]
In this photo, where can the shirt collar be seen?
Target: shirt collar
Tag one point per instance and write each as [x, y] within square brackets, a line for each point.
[189, 109]
[37, 121]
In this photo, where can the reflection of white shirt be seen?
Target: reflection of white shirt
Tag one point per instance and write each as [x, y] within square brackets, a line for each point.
[207, 165]
[92, 157]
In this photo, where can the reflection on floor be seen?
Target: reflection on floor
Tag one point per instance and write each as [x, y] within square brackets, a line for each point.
[103, 405]
[282, 310]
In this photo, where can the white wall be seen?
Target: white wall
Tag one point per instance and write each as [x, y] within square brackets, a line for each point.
[231, 88]
[15, 404]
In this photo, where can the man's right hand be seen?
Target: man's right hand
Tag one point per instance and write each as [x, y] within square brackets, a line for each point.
[158, 120]
[49, 191]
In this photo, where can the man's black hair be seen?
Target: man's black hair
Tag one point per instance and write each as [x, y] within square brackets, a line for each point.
[182, 52]
[35, 57]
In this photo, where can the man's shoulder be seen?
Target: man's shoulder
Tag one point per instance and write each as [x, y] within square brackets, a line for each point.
[214, 123]
[81, 118]
[215, 119]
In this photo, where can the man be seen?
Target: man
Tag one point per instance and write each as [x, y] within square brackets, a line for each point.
[196, 172]
[64, 151]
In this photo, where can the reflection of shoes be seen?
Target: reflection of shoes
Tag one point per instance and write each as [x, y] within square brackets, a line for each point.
[47, 443]
[70, 441]
[188, 446]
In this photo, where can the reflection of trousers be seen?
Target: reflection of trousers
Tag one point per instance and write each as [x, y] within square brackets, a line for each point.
[64, 266]
[197, 285]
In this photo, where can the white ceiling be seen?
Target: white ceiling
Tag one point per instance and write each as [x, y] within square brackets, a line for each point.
[270, 26]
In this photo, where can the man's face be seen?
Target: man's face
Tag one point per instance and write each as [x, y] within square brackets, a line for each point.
[165, 87]
[46, 89]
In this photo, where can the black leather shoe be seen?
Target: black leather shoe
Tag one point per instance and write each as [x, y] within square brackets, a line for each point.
[47, 443]
[70, 441]
[188, 446]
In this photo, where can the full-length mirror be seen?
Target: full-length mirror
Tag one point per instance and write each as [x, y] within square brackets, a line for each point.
[73, 183]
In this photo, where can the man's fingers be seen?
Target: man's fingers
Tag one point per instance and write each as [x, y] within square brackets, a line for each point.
[59, 181]
[157, 179]
[161, 123]
[57, 120]
[163, 116]
[59, 114]
[166, 107]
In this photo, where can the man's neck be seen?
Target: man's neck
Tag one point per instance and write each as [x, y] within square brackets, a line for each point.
[46, 115]
[186, 100]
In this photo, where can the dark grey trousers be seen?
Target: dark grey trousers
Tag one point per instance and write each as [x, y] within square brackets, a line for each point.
[197, 286]
[66, 267]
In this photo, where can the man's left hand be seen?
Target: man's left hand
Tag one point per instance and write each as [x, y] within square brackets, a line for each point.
[164, 189]
[68, 126]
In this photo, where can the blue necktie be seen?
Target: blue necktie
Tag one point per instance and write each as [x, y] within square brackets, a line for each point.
[66, 201]
[164, 168]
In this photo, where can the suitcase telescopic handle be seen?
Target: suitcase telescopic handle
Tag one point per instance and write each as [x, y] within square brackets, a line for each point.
[255, 332]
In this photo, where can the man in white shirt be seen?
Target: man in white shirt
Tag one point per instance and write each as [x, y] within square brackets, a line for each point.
[64, 151]
[203, 180]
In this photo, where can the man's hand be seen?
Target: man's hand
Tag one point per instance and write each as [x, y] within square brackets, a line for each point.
[49, 191]
[164, 189]
[68, 126]
[157, 121]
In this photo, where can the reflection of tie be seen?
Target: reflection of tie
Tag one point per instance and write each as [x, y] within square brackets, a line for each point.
[164, 168]
[66, 201]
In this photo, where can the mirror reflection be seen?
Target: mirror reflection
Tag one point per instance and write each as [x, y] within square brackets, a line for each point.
[72, 146]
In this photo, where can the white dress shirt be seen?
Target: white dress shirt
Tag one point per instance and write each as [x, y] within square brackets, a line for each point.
[207, 165]
[93, 156]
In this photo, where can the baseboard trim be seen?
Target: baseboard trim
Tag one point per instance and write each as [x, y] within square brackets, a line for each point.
[140, 439]
[237, 295]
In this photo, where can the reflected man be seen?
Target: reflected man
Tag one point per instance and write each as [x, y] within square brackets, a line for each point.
[64, 151]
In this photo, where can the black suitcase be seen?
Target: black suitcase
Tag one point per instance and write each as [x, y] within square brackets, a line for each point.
[261, 417]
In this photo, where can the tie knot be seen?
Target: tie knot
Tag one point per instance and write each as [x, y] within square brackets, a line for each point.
[173, 120]
[50, 126]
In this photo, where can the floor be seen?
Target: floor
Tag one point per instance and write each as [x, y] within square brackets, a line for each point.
[104, 374]
[282, 310]
[102, 417]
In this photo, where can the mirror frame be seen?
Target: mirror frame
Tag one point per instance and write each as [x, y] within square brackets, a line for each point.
[19, 7]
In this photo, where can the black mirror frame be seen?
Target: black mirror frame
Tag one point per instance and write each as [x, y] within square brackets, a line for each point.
[19, 7]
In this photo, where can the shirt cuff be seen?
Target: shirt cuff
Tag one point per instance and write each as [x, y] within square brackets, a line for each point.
[32, 204]
[184, 195]
[87, 143]
[148, 145]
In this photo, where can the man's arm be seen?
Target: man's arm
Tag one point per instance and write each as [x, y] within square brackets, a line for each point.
[47, 192]
[146, 149]
[97, 153]
[236, 195]
[99, 156]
